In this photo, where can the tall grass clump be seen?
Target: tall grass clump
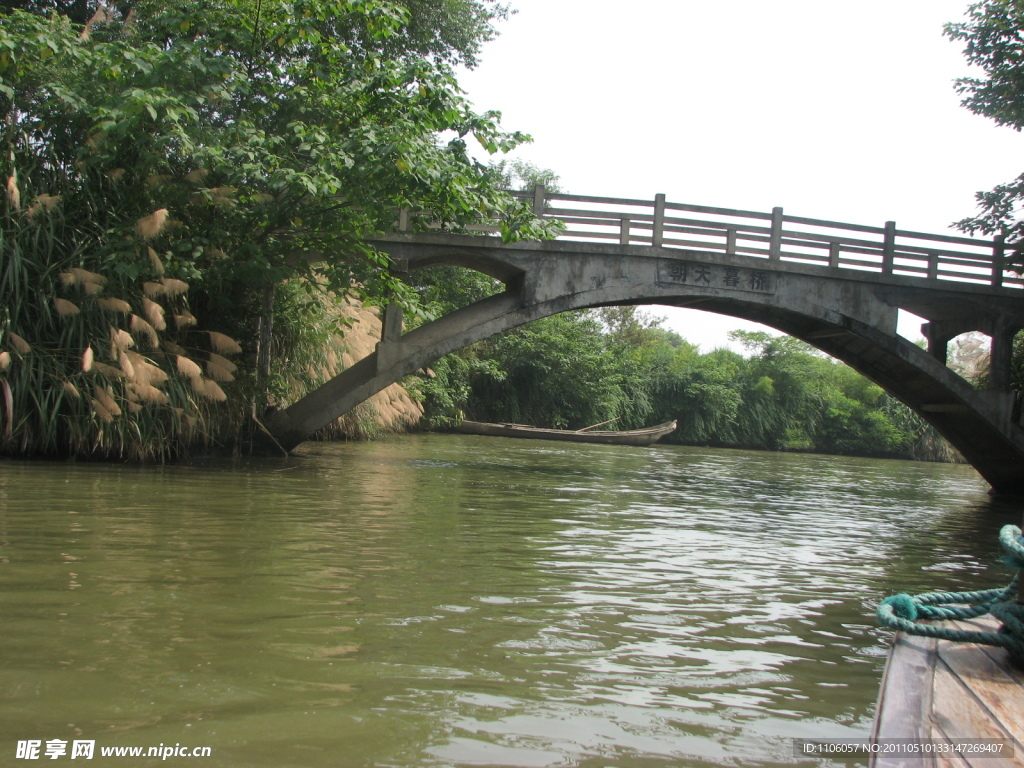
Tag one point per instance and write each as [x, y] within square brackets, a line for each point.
[93, 365]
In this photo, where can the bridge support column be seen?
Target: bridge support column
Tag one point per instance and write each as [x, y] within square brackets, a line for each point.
[938, 337]
[392, 324]
[390, 349]
[1000, 365]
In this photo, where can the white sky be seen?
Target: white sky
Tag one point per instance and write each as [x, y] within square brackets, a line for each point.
[834, 110]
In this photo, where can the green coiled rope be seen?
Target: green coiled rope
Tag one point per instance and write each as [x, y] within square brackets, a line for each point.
[902, 612]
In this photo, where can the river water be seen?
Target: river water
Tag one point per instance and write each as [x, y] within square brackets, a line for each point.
[437, 600]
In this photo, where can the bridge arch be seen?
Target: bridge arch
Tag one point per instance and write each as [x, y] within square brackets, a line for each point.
[849, 314]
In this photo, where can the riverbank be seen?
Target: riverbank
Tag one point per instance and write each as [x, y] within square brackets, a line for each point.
[145, 398]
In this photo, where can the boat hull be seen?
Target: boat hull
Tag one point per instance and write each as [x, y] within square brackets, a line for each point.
[641, 437]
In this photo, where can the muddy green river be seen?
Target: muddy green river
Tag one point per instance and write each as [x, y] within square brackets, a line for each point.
[437, 600]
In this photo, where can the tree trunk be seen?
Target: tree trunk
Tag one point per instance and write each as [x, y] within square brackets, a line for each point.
[265, 334]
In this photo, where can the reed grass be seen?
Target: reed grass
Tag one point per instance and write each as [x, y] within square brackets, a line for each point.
[101, 355]
[84, 369]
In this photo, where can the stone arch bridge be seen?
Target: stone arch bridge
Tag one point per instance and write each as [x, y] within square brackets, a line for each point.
[836, 286]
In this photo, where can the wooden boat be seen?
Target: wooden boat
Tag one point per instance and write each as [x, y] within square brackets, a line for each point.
[627, 437]
[937, 692]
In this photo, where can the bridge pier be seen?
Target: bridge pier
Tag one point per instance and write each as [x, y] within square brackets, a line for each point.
[938, 335]
[391, 349]
[1001, 360]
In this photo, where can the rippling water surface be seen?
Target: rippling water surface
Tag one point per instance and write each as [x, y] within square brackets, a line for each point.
[458, 601]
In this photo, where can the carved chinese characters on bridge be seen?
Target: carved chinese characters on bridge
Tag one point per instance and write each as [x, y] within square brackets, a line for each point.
[677, 272]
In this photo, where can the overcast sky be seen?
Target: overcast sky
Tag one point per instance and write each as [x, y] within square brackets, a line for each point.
[833, 110]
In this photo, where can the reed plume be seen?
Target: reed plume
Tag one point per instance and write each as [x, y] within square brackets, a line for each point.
[150, 226]
[126, 365]
[114, 305]
[106, 398]
[184, 319]
[147, 393]
[82, 277]
[141, 327]
[42, 203]
[65, 308]
[173, 287]
[107, 371]
[213, 391]
[20, 345]
[154, 261]
[13, 193]
[120, 339]
[100, 411]
[187, 367]
[224, 344]
[145, 371]
[154, 314]
[218, 372]
[223, 362]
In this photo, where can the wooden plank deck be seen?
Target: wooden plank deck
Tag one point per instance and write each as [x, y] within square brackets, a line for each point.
[940, 691]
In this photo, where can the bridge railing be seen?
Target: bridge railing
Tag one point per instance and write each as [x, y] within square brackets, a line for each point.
[781, 237]
[774, 236]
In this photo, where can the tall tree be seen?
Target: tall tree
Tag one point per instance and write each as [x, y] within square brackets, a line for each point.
[232, 145]
[993, 38]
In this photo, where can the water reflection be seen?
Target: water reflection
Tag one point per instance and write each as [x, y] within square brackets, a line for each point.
[437, 600]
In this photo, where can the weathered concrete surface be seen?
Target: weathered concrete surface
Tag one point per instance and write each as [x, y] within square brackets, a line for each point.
[851, 316]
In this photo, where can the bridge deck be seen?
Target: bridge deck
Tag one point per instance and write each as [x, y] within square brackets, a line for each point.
[773, 236]
[936, 691]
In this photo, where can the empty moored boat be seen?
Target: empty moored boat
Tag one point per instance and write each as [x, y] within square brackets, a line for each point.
[626, 437]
